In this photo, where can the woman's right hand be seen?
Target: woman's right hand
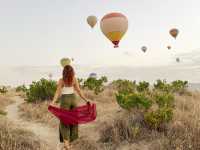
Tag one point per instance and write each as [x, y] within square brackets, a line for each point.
[53, 104]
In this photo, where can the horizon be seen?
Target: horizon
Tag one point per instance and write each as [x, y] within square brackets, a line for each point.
[25, 75]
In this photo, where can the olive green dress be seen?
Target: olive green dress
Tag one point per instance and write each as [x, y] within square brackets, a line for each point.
[68, 132]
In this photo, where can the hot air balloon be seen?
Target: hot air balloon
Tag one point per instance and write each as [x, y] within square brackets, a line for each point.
[65, 61]
[114, 26]
[93, 75]
[169, 47]
[144, 48]
[174, 32]
[92, 20]
[177, 59]
[50, 75]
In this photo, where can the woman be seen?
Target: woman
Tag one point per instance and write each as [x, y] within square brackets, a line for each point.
[65, 90]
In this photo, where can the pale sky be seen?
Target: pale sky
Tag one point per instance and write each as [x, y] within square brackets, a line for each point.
[41, 32]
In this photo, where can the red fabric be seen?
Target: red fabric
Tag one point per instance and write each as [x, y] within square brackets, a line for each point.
[79, 115]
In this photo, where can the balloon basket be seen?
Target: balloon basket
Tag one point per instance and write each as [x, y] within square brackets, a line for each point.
[116, 46]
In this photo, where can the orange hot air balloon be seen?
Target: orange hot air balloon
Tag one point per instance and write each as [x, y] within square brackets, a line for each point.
[92, 21]
[174, 32]
[114, 26]
[169, 47]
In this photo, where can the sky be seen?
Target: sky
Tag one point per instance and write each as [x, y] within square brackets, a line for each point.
[41, 32]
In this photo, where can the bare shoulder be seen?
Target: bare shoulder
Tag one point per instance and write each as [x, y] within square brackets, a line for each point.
[60, 81]
[75, 80]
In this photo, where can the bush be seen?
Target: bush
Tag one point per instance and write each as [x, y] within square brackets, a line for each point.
[125, 86]
[3, 90]
[164, 99]
[179, 86]
[41, 90]
[183, 136]
[118, 131]
[96, 85]
[143, 86]
[104, 79]
[155, 106]
[157, 118]
[162, 85]
[13, 138]
[21, 88]
[133, 100]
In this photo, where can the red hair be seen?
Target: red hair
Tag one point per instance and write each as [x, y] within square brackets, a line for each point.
[68, 75]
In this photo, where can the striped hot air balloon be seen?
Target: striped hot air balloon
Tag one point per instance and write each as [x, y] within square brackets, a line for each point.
[114, 26]
[174, 32]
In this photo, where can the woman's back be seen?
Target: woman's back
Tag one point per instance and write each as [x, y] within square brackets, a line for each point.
[67, 89]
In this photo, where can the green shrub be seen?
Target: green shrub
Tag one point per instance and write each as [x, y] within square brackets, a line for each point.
[155, 106]
[21, 88]
[156, 119]
[3, 90]
[179, 86]
[104, 79]
[41, 90]
[125, 86]
[133, 100]
[143, 86]
[164, 99]
[96, 85]
[162, 85]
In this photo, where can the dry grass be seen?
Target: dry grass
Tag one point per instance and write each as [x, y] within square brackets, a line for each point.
[4, 101]
[183, 133]
[38, 112]
[11, 92]
[14, 138]
[127, 129]
[84, 144]
[108, 95]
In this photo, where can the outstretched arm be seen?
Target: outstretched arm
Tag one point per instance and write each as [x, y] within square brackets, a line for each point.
[78, 90]
[58, 92]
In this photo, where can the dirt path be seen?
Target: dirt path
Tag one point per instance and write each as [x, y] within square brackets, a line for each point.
[44, 133]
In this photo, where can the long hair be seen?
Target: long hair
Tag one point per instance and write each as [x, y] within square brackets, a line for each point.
[68, 75]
